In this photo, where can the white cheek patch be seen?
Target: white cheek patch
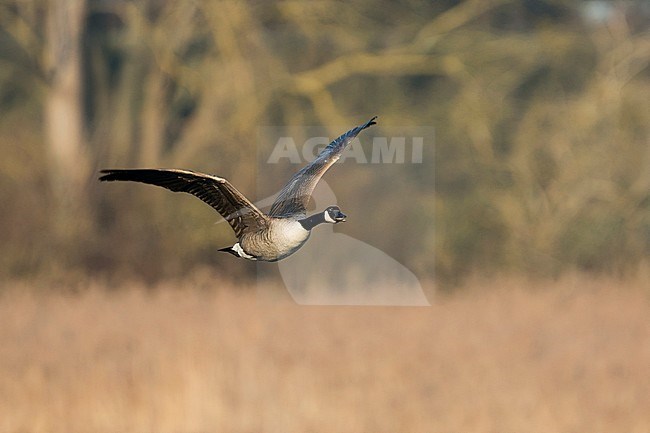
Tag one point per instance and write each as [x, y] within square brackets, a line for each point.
[328, 218]
[240, 251]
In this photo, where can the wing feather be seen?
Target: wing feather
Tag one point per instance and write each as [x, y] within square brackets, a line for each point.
[294, 197]
[216, 191]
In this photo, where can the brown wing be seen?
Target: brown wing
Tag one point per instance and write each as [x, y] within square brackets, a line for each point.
[294, 197]
[232, 205]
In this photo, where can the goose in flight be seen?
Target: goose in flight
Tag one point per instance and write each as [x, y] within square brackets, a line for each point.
[266, 237]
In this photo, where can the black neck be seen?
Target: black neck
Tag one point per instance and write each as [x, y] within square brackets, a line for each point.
[312, 221]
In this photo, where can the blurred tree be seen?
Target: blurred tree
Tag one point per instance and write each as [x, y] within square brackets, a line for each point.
[63, 112]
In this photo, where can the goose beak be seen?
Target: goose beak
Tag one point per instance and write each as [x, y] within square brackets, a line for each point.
[340, 217]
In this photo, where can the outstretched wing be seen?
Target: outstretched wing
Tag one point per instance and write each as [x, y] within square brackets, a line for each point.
[295, 195]
[216, 191]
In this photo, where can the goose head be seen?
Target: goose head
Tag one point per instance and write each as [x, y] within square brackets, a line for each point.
[333, 215]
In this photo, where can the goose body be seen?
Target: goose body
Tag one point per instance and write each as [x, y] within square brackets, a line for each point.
[266, 237]
[283, 237]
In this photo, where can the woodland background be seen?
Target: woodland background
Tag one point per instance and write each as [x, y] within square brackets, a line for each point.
[540, 109]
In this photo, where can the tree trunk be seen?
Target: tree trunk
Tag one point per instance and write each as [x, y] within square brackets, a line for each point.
[64, 131]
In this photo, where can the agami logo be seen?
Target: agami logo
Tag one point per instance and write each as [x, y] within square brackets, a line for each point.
[384, 150]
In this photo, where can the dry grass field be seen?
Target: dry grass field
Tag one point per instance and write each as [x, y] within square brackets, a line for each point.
[504, 356]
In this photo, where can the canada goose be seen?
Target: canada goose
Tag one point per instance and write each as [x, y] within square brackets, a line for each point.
[268, 237]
